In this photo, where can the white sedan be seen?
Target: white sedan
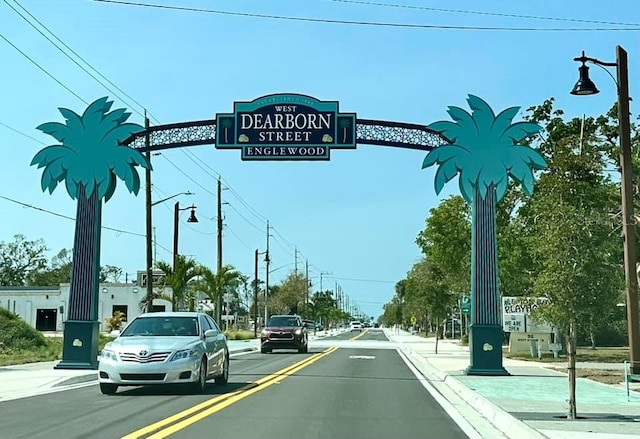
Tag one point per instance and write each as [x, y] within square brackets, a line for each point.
[356, 326]
[165, 348]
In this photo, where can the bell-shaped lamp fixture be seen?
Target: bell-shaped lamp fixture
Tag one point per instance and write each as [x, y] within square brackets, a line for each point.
[585, 85]
[192, 217]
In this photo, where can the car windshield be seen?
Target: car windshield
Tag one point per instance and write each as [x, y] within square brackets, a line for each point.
[162, 327]
[283, 321]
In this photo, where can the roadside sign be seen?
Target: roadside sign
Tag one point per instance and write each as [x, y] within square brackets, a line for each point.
[465, 304]
[413, 320]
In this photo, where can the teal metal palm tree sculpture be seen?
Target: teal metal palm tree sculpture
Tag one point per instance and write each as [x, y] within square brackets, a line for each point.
[89, 159]
[485, 150]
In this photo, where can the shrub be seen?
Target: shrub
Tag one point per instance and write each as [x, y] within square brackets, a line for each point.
[18, 335]
[464, 340]
[115, 321]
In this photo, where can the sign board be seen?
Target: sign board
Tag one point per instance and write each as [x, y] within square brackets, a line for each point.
[516, 315]
[521, 342]
[228, 297]
[514, 323]
[286, 127]
[465, 304]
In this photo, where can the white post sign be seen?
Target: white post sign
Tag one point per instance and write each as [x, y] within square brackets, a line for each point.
[516, 315]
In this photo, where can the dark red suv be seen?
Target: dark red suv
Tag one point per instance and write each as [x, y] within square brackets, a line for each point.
[284, 332]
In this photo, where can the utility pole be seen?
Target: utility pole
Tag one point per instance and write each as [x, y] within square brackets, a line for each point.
[219, 268]
[149, 225]
[255, 296]
[295, 262]
[306, 283]
[266, 282]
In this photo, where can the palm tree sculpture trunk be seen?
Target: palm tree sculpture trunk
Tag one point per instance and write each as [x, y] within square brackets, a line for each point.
[485, 339]
[81, 331]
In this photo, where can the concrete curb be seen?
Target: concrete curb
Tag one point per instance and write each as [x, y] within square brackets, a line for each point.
[502, 420]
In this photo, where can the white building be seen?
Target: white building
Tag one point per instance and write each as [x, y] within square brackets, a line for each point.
[45, 308]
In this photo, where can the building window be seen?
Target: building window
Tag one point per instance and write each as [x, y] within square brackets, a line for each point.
[122, 308]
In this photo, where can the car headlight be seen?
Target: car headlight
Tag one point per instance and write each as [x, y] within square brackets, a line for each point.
[185, 353]
[298, 331]
[109, 355]
[264, 332]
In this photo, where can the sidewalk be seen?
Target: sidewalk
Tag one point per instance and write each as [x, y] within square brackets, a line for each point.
[532, 401]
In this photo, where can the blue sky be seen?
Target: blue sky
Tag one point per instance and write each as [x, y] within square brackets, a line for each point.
[356, 216]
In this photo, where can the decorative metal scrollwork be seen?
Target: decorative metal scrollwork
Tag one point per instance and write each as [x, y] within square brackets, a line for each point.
[368, 132]
[398, 134]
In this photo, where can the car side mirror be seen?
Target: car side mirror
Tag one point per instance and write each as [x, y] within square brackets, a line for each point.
[115, 333]
[210, 333]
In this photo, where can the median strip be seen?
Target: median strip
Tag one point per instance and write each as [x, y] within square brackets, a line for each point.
[191, 415]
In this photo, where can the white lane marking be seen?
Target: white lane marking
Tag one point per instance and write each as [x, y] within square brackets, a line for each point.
[454, 414]
[362, 357]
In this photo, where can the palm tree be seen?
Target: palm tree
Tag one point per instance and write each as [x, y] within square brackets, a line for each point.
[214, 285]
[226, 124]
[89, 159]
[485, 150]
[344, 123]
[179, 277]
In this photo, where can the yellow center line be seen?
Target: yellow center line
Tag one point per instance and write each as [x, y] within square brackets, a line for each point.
[273, 380]
[219, 398]
[360, 335]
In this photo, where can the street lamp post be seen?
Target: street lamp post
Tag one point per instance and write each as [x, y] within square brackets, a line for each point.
[583, 87]
[149, 228]
[176, 222]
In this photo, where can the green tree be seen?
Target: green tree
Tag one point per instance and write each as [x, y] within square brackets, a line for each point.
[57, 272]
[291, 293]
[180, 278]
[110, 273]
[21, 260]
[429, 295]
[214, 285]
[576, 256]
[446, 242]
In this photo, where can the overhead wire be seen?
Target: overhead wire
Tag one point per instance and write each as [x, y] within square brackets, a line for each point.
[360, 22]
[190, 155]
[493, 14]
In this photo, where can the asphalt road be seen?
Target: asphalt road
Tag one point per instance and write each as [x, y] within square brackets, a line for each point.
[330, 393]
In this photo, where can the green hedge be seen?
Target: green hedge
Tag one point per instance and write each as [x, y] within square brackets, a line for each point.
[239, 335]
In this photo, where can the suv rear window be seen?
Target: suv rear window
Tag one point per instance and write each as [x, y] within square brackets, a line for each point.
[283, 321]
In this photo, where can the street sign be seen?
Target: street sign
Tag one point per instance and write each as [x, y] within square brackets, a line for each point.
[465, 304]
[286, 127]
[413, 320]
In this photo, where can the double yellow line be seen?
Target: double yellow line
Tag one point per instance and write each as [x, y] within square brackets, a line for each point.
[359, 335]
[179, 421]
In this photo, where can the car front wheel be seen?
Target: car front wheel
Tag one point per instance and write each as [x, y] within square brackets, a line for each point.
[223, 379]
[198, 386]
[108, 389]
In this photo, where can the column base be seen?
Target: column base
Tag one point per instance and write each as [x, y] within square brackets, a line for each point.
[485, 349]
[80, 345]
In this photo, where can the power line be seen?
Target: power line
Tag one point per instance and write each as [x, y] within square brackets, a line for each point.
[21, 133]
[494, 14]
[361, 23]
[363, 280]
[46, 72]
[60, 215]
[72, 51]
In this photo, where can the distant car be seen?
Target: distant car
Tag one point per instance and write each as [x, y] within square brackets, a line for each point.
[284, 332]
[165, 348]
[355, 326]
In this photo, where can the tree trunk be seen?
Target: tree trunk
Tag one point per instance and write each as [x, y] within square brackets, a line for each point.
[571, 354]
[85, 272]
[592, 336]
[437, 337]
